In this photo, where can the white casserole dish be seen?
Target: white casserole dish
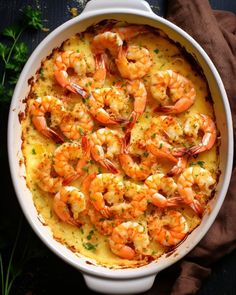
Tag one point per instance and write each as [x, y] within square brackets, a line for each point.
[98, 278]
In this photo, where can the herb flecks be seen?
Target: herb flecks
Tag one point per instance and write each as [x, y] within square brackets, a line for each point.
[89, 246]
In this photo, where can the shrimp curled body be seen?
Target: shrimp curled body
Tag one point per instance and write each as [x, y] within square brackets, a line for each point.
[181, 91]
[194, 184]
[124, 234]
[69, 204]
[169, 229]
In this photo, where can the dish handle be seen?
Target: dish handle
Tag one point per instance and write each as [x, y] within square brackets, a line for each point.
[123, 286]
[94, 5]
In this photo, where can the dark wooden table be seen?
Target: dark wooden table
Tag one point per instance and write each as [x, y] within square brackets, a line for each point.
[43, 272]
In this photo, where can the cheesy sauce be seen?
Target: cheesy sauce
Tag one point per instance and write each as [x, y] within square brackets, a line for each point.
[87, 240]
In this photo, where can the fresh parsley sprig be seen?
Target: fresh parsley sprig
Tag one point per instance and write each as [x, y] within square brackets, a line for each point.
[14, 55]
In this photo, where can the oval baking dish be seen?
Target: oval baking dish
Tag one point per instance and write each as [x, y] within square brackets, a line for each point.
[98, 278]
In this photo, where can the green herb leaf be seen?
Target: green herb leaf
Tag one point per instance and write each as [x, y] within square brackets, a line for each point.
[201, 163]
[33, 152]
[89, 246]
[11, 31]
[3, 51]
[33, 18]
[156, 50]
[20, 53]
[90, 235]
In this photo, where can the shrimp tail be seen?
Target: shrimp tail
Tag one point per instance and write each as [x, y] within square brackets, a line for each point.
[178, 168]
[197, 207]
[165, 109]
[196, 149]
[75, 88]
[160, 153]
[179, 152]
[126, 252]
[83, 161]
[57, 138]
[86, 183]
[132, 120]
[106, 163]
[105, 212]
[85, 145]
[70, 178]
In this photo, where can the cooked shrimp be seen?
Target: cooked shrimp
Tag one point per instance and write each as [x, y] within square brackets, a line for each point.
[76, 123]
[105, 147]
[206, 125]
[69, 204]
[106, 188]
[133, 62]
[38, 110]
[137, 170]
[137, 193]
[98, 78]
[195, 184]
[169, 228]
[44, 178]
[107, 40]
[136, 89]
[64, 61]
[159, 140]
[179, 167]
[125, 234]
[70, 152]
[169, 86]
[129, 32]
[99, 105]
[162, 191]
[104, 225]
[136, 205]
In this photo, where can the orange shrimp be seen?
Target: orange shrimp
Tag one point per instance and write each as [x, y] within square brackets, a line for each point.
[130, 32]
[194, 184]
[99, 105]
[133, 62]
[69, 205]
[44, 178]
[68, 152]
[38, 110]
[169, 85]
[107, 40]
[162, 191]
[105, 147]
[125, 234]
[137, 90]
[106, 188]
[137, 171]
[169, 228]
[76, 123]
[64, 61]
[204, 123]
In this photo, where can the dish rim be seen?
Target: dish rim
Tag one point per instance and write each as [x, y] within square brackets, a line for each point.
[140, 271]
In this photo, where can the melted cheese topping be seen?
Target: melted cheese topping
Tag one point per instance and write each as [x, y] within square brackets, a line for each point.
[86, 240]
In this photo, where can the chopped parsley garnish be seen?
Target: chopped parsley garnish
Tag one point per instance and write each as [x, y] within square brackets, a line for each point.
[90, 235]
[33, 152]
[156, 50]
[81, 131]
[89, 246]
[199, 163]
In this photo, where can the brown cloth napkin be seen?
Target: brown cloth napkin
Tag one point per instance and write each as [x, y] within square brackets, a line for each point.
[215, 31]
